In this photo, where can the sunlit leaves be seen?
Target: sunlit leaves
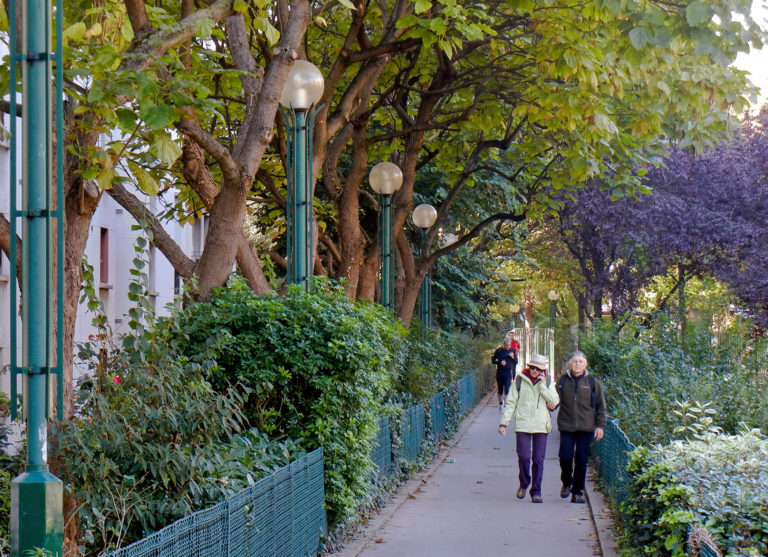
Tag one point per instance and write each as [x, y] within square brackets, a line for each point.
[165, 148]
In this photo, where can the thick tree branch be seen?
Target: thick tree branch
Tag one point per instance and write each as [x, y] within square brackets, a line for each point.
[229, 167]
[172, 251]
[143, 52]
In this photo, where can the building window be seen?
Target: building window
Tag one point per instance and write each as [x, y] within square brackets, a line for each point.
[104, 256]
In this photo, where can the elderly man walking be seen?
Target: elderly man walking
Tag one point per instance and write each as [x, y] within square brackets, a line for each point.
[581, 418]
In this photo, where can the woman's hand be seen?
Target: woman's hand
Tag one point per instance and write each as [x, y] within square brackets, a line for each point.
[503, 429]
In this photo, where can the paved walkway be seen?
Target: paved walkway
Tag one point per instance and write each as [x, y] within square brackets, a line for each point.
[464, 504]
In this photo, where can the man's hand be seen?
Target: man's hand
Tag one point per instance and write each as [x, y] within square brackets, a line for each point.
[599, 434]
[503, 429]
[503, 362]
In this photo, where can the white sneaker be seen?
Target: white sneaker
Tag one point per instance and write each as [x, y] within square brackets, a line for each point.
[501, 407]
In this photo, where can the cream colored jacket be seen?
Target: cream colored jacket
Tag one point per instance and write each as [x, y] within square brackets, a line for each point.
[529, 407]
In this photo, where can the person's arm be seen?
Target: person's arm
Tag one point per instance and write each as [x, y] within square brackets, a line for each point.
[509, 409]
[601, 412]
[495, 357]
[549, 394]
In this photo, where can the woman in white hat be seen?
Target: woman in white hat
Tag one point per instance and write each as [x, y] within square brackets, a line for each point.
[529, 403]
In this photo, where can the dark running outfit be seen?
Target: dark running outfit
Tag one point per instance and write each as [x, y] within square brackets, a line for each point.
[504, 372]
[582, 410]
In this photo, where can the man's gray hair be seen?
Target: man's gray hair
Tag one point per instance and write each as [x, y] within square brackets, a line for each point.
[577, 354]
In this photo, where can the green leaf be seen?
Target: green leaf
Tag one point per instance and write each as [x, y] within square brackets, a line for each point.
[144, 179]
[165, 149]
[347, 4]
[422, 6]
[95, 94]
[75, 32]
[203, 27]
[639, 37]
[126, 119]
[698, 13]
[159, 117]
[264, 25]
[240, 6]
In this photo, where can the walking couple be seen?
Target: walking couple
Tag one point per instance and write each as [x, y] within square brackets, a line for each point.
[581, 417]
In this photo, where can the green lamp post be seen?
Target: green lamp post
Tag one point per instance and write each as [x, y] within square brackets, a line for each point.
[424, 216]
[552, 295]
[386, 178]
[302, 90]
[36, 494]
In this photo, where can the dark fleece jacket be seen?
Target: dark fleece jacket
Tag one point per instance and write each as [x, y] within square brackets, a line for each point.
[577, 413]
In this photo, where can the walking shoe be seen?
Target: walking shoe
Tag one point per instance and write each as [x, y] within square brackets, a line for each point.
[521, 493]
[501, 407]
[536, 499]
[577, 498]
[565, 491]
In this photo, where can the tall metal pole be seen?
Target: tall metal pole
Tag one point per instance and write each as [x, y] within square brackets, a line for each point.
[426, 293]
[387, 297]
[300, 220]
[552, 313]
[36, 494]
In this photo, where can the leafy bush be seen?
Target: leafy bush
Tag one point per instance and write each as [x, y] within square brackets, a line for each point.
[315, 367]
[655, 515]
[431, 360]
[647, 371]
[153, 440]
[716, 480]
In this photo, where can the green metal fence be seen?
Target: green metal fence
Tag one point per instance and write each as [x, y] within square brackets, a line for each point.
[437, 416]
[466, 386]
[412, 431]
[382, 452]
[612, 454]
[280, 515]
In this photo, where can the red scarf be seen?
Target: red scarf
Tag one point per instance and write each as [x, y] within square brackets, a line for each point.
[527, 373]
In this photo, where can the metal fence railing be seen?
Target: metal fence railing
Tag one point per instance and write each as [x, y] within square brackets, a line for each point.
[438, 416]
[612, 454]
[412, 431]
[280, 515]
[382, 452]
[466, 386]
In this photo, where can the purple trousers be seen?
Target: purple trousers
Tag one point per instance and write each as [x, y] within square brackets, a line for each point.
[531, 473]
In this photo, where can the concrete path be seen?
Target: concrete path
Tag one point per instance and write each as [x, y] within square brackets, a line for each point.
[464, 504]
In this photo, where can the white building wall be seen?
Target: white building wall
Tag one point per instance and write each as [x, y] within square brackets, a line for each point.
[121, 240]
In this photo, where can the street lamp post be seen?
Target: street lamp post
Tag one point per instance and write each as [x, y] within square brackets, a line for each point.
[37, 518]
[302, 90]
[424, 216]
[386, 178]
[552, 296]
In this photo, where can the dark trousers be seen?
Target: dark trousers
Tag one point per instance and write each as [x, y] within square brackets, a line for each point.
[574, 446]
[503, 382]
[531, 473]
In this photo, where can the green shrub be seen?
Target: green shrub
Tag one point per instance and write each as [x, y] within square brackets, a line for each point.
[153, 441]
[655, 515]
[646, 371]
[316, 368]
[714, 480]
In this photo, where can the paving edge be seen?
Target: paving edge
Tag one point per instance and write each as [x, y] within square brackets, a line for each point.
[410, 488]
[602, 519]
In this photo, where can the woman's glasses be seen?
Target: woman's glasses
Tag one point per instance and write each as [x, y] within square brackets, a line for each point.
[536, 368]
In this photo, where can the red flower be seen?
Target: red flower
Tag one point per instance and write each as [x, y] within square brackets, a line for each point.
[116, 379]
